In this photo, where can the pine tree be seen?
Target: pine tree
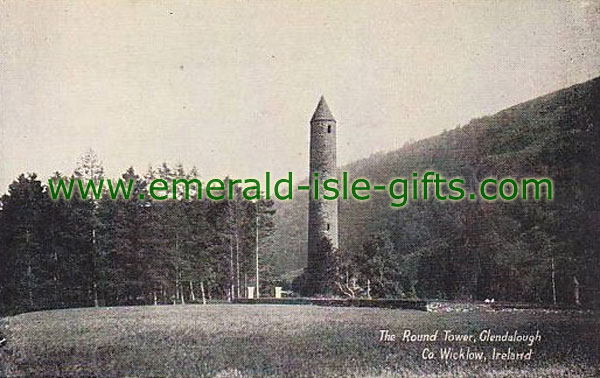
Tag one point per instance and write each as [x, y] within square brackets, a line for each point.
[27, 280]
[89, 169]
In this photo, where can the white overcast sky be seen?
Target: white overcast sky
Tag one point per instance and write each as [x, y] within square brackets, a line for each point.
[230, 86]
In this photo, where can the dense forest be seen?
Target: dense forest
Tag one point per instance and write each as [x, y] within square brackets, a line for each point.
[58, 253]
[542, 252]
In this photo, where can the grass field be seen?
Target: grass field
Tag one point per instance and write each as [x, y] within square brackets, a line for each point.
[282, 341]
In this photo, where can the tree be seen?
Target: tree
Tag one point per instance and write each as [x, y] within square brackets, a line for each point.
[120, 243]
[377, 267]
[27, 282]
[89, 168]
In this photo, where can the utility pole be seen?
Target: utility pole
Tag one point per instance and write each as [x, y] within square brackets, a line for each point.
[553, 280]
[257, 285]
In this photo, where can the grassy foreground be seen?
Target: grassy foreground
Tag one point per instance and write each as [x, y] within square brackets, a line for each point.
[281, 341]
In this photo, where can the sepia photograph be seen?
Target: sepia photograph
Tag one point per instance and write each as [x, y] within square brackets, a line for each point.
[299, 188]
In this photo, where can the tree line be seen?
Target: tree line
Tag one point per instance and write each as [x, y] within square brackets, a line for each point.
[84, 252]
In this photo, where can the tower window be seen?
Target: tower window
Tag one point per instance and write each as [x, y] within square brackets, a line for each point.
[329, 129]
[327, 226]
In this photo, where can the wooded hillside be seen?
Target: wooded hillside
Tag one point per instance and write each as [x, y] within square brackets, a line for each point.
[520, 250]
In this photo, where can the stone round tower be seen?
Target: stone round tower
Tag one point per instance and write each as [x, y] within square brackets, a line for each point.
[322, 214]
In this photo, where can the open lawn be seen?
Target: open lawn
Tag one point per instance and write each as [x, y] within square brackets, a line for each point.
[287, 341]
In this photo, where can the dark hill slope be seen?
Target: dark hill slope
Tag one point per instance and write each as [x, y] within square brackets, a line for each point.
[471, 248]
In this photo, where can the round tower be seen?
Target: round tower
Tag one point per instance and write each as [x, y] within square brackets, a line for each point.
[322, 214]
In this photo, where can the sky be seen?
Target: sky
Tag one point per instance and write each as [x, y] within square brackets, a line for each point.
[229, 87]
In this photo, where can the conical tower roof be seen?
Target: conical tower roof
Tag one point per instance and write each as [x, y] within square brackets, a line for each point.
[322, 113]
